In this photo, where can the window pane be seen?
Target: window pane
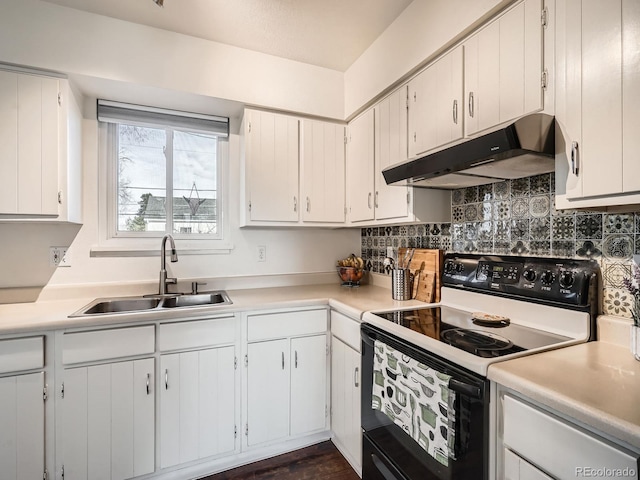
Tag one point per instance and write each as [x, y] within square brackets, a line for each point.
[194, 183]
[141, 179]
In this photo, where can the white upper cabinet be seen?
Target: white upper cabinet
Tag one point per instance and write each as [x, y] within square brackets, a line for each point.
[435, 104]
[29, 139]
[390, 148]
[598, 69]
[360, 168]
[378, 139]
[294, 170]
[271, 167]
[503, 67]
[323, 172]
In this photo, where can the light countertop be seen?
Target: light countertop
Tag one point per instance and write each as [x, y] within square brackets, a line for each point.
[53, 315]
[596, 383]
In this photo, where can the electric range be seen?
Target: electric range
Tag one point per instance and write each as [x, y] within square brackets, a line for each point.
[493, 308]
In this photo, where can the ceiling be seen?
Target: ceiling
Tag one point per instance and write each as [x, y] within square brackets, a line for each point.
[327, 33]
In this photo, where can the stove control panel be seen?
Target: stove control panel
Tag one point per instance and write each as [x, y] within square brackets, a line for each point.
[552, 279]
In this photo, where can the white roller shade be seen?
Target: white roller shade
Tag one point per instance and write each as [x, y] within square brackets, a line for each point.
[115, 112]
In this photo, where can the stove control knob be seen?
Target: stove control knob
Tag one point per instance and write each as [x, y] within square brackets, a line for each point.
[548, 277]
[529, 275]
[448, 267]
[459, 267]
[567, 278]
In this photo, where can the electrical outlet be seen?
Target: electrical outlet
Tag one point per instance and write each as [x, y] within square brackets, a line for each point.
[58, 257]
[390, 252]
[262, 253]
[65, 257]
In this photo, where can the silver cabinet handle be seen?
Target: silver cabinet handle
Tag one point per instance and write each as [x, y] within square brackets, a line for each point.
[166, 379]
[308, 204]
[148, 383]
[574, 158]
[471, 112]
[355, 377]
[283, 360]
[295, 204]
[455, 112]
[375, 203]
[296, 358]
[415, 137]
[369, 200]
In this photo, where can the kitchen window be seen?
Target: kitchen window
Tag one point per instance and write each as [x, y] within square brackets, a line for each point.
[164, 173]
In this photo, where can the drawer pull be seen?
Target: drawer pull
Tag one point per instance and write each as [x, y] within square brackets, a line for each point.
[148, 383]
[166, 379]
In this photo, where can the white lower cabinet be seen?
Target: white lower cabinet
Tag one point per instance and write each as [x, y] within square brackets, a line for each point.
[197, 405]
[308, 384]
[287, 386]
[286, 381]
[22, 427]
[108, 420]
[515, 468]
[345, 400]
[345, 388]
[522, 456]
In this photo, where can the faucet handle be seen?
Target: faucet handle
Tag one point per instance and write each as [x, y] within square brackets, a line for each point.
[194, 287]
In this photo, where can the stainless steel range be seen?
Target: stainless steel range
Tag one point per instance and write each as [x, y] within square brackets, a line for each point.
[493, 308]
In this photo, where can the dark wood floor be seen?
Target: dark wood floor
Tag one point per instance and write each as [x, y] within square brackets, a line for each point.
[318, 462]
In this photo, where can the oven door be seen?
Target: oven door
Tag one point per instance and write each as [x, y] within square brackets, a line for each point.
[390, 454]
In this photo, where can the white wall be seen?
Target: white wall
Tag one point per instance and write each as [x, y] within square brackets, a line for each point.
[39, 34]
[289, 251]
[420, 31]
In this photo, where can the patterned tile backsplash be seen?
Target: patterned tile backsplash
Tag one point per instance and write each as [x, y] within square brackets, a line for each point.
[518, 217]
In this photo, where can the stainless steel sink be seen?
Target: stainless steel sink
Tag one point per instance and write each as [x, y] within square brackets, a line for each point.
[197, 300]
[110, 306]
[119, 305]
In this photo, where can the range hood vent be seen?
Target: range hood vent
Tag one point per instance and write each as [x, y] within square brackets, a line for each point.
[523, 148]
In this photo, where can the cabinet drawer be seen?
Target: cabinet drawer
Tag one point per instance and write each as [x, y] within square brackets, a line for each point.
[525, 425]
[106, 344]
[288, 324]
[202, 333]
[346, 329]
[21, 354]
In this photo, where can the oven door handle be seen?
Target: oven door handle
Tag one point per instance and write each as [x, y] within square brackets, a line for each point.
[465, 389]
[382, 468]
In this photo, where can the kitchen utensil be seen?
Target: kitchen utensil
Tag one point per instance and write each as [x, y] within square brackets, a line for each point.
[401, 284]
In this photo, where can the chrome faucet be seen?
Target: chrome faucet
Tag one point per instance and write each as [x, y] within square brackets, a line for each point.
[164, 281]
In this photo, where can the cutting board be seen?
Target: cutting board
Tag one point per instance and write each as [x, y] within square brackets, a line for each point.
[426, 266]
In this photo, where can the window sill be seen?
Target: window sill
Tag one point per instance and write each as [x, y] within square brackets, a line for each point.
[145, 248]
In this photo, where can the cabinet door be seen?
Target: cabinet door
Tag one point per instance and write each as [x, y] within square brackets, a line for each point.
[482, 78]
[22, 432]
[308, 384]
[422, 112]
[516, 468]
[360, 168]
[197, 405]
[449, 94]
[390, 149]
[631, 93]
[108, 421]
[267, 391]
[345, 399]
[28, 144]
[323, 172]
[520, 60]
[272, 155]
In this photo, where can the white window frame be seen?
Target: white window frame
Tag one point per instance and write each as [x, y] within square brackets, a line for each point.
[123, 244]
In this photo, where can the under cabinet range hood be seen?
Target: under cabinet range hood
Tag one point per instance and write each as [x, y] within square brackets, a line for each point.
[523, 148]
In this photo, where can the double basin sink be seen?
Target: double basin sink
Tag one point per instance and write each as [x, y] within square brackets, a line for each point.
[103, 306]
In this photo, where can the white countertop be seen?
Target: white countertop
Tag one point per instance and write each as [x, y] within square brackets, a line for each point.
[596, 383]
[53, 315]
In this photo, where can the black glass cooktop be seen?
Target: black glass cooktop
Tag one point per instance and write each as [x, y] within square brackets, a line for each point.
[460, 332]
